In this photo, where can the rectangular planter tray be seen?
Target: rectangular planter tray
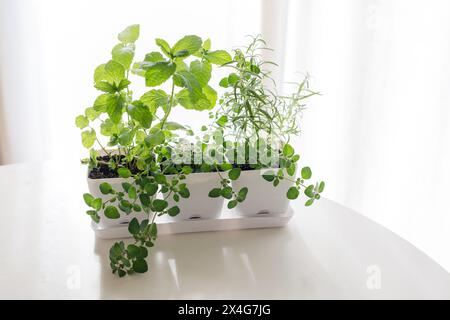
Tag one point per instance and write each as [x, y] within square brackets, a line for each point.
[227, 221]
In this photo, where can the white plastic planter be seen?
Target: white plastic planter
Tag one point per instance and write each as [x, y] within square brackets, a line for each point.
[116, 183]
[262, 197]
[199, 205]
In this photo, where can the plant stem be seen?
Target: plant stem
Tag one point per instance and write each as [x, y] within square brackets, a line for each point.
[163, 121]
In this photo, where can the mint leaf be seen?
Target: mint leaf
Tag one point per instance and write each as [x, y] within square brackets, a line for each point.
[201, 71]
[191, 83]
[112, 72]
[155, 139]
[190, 43]
[123, 54]
[154, 57]
[81, 122]
[130, 34]
[88, 138]
[141, 114]
[165, 48]
[154, 99]
[158, 73]
[218, 57]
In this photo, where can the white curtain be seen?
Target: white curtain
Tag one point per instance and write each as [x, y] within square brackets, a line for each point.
[379, 134]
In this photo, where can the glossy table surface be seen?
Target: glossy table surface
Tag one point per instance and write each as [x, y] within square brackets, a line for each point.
[47, 250]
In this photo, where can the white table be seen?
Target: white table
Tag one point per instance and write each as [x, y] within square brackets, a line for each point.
[47, 250]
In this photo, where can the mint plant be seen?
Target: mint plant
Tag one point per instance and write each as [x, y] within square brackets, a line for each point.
[138, 134]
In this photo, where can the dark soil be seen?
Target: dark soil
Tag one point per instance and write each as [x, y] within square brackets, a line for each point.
[103, 170]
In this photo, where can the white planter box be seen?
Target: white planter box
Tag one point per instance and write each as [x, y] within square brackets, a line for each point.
[262, 196]
[199, 205]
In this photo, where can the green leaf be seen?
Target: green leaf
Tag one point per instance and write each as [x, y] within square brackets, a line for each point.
[227, 192]
[133, 226]
[126, 186]
[103, 102]
[153, 57]
[173, 211]
[309, 191]
[306, 173]
[88, 198]
[109, 128]
[130, 34]
[165, 48]
[115, 110]
[158, 73]
[288, 151]
[269, 176]
[201, 71]
[207, 44]
[232, 204]
[184, 98]
[211, 96]
[81, 122]
[88, 138]
[189, 43]
[112, 212]
[151, 188]
[186, 170]
[91, 113]
[105, 87]
[321, 186]
[191, 83]
[133, 251]
[184, 192]
[145, 199]
[126, 137]
[226, 166]
[234, 173]
[153, 230]
[309, 202]
[291, 169]
[141, 114]
[219, 57]
[224, 82]
[124, 172]
[132, 192]
[154, 99]
[115, 71]
[292, 193]
[242, 194]
[222, 121]
[143, 252]
[155, 139]
[140, 266]
[123, 54]
[159, 205]
[105, 188]
[233, 78]
[215, 193]
[171, 125]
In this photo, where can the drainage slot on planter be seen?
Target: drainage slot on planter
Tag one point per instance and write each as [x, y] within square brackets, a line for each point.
[194, 218]
[263, 212]
[125, 222]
